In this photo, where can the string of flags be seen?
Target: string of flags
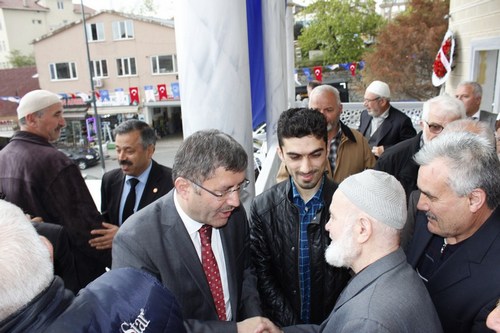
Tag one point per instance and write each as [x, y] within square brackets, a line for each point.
[103, 96]
[317, 71]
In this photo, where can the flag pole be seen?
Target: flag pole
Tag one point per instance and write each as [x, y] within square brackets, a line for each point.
[92, 100]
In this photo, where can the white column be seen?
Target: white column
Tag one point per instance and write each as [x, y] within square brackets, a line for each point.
[214, 77]
[275, 60]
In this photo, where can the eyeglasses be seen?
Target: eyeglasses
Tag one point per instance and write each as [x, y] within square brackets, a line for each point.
[434, 128]
[241, 186]
[367, 100]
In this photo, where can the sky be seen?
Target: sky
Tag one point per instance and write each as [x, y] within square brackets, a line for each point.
[163, 8]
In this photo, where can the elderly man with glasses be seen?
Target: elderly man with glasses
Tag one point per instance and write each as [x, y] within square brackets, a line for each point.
[398, 159]
[382, 124]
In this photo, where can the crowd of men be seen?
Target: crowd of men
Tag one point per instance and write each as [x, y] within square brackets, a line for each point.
[375, 229]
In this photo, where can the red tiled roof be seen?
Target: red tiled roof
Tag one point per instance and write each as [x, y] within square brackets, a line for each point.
[15, 82]
[19, 4]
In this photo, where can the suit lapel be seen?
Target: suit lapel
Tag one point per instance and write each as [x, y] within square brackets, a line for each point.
[229, 257]
[177, 234]
[152, 188]
[420, 239]
[116, 193]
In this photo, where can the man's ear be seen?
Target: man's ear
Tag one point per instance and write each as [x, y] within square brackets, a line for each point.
[280, 153]
[182, 186]
[49, 246]
[477, 198]
[363, 229]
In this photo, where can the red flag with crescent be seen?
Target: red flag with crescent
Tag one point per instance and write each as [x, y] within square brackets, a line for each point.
[162, 92]
[318, 73]
[352, 68]
[134, 95]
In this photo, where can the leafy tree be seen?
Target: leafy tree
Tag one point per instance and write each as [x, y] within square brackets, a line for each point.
[17, 59]
[339, 28]
[405, 50]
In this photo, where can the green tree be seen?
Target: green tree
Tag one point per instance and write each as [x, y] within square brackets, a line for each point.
[405, 50]
[17, 59]
[340, 29]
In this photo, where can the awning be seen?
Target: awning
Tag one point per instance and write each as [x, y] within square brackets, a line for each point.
[113, 110]
[164, 103]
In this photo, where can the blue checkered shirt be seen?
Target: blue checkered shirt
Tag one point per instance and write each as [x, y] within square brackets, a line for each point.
[307, 213]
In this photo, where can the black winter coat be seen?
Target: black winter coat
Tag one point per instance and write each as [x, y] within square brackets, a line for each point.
[274, 232]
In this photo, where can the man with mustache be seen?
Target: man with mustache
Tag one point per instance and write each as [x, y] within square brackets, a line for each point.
[195, 239]
[287, 231]
[45, 183]
[135, 145]
[456, 243]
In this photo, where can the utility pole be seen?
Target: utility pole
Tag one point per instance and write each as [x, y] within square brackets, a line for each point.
[93, 101]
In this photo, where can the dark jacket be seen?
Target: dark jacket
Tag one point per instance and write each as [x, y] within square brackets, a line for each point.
[398, 161]
[465, 288]
[112, 303]
[274, 236]
[44, 182]
[159, 183]
[396, 127]
[64, 260]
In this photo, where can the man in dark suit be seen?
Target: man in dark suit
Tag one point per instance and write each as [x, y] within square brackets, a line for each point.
[171, 238]
[471, 94]
[456, 244]
[398, 161]
[381, 123]
[135, 144]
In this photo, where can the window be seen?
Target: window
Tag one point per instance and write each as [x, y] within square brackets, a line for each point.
[126, 66]
[123, 29]
[99, 68]
[485, 69]
[163, 64]
[60, 5]
[95, 31]
[63, 71]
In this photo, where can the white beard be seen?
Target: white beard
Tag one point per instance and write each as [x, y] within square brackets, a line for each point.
[342, 252]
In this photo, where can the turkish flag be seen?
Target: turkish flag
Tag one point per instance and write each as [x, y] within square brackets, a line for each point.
[162, 92]
[352, 68]
[134, 95]
[318, 73]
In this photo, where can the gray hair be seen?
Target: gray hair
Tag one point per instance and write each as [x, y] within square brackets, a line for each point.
[480, 128]
[445, 104]
[205, 151]
[25, 260]
[472, 161]
[38, 114]
[325, 88]
[148, 136]
[477, 90]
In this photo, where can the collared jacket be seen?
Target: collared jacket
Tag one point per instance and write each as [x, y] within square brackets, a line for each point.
[274, 234]
[121, 300]
[44, 182]
[354, 155]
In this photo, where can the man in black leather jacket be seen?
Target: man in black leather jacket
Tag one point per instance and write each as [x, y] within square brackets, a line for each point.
[288, 237]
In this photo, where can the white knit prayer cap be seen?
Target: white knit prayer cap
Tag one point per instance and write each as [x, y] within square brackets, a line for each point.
[36, 100]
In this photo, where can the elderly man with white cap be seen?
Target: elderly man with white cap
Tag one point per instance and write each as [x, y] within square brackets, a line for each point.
[367, 213]
[381, 123]
[45, 183]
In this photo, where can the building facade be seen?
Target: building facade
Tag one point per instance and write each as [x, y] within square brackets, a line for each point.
[133, 65]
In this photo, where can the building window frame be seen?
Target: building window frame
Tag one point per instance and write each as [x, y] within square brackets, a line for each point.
[99, 68]
[63, 71]
[126, 66]
[123, 30]
[163, 64]
[95, 32]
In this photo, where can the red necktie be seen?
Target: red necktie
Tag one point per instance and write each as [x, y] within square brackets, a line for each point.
[212, 271]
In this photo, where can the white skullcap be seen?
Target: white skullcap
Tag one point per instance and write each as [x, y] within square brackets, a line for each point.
[378, 194]
[379, 88]
[36, 100]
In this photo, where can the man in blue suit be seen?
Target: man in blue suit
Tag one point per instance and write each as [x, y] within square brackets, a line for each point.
[456, 244]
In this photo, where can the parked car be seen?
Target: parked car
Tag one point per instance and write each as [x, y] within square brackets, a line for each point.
[83, 157]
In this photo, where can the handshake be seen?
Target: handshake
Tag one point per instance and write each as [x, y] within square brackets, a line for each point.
[257, 325]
